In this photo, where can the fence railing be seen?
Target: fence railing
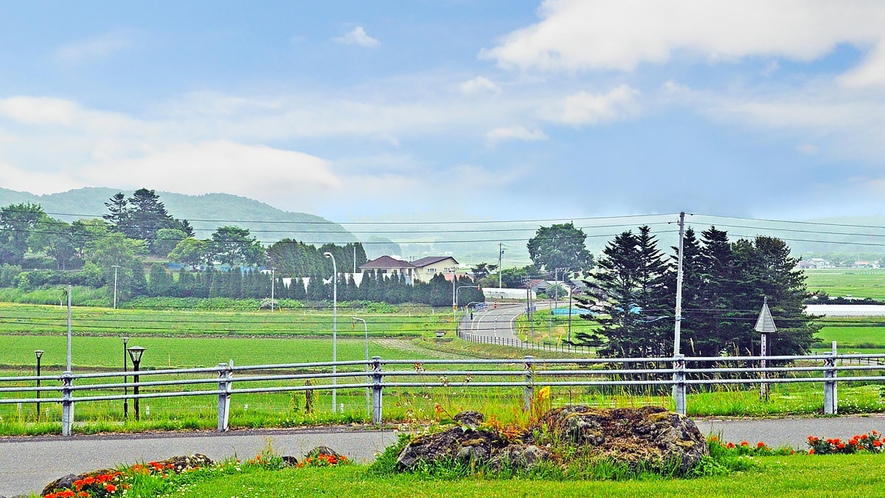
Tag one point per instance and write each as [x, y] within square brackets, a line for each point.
[530, 345]
[528, 373]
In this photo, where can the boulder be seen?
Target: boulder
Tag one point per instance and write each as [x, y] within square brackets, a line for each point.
[648, 435]
[176, 464]
[457, 443]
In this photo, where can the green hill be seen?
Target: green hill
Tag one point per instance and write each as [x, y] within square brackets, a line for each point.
[205, 212]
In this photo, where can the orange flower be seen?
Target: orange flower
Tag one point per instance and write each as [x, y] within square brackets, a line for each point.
[760, 445]
[110, 488]
[744, 443]
[811, 451]
[730, 445]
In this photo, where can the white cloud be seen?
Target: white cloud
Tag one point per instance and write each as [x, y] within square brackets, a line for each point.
[97, 47]
[592, 108]
[357, 36]
[39, 110]
[871, 72]
[255, 171]
[600, 34]
[517, 132]
[479, 84]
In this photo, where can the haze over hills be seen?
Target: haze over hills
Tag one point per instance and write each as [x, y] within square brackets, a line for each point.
[470, 241]
[205, 212]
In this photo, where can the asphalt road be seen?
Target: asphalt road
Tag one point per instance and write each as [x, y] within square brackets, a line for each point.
[493, 322]
[28, 464]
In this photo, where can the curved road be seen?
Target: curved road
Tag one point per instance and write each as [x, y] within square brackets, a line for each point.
[493, 322]
[29, 463]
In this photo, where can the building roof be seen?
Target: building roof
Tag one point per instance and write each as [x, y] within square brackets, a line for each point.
[385, 263]
[421, 263]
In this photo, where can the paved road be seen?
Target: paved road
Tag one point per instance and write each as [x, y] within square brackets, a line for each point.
[494, 322]
[28, 464]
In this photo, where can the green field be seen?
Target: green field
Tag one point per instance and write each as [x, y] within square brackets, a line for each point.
[847, 282]
[37, 319]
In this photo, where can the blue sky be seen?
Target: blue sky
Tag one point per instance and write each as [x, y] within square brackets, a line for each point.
[454, 109]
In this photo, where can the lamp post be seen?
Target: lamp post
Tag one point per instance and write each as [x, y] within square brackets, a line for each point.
[135, 353]
[334, 327]
[115, 285]
[39, 354]
[125, 389]
[366, 330]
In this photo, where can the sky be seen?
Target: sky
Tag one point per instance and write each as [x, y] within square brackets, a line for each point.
[453, 109]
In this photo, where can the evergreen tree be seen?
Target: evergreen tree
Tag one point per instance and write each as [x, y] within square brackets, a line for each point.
[633, 299]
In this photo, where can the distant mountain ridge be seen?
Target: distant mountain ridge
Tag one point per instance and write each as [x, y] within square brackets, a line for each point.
[205, 212]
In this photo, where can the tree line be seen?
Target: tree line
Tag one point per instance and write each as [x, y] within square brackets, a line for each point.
[111, 252]
[632, 297]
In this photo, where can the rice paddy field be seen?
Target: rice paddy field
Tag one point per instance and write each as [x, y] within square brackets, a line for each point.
[847, 282]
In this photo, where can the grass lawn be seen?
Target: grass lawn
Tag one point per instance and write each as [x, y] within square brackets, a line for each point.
[847, 282]
[860, 475]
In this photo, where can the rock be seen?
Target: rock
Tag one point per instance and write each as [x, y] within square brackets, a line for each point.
[457, 443]
[469, 418]
[289, 461]
[322, 450]
[520, 456]
[65, 482]
[180, 463]
[176, 464]
[649, 435]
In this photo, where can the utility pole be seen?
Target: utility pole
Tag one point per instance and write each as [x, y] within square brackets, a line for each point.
[500, 258]
[272, 282]
[115, 285]
[678, 326]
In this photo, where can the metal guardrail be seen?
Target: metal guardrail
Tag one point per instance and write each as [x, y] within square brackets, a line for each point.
[377, 375]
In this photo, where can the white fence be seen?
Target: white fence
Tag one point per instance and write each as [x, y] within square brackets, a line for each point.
[528, 373]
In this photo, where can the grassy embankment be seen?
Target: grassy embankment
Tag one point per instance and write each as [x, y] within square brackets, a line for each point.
[858, 475]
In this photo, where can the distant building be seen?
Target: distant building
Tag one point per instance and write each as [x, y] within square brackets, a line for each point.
[421, 270]
[814, 264]
[387, 265]
[426, 268]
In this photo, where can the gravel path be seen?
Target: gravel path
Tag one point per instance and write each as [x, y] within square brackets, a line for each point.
[29, 463]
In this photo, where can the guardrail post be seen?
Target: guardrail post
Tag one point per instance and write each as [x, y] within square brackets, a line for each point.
[529, 389]
[67, 404]
[376, 390]
[225, 376]
[830, 401]
[679, 383]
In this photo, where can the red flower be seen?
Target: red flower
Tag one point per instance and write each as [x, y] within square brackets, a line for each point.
[760, 445]
[811, 451]
[110, 487]
[744, 443]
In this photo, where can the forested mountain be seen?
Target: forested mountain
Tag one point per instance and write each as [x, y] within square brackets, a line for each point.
[204, 212]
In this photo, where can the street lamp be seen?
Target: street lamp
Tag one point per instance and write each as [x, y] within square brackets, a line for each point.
[366, 330]
[39, 354]
[334, 326]
[125, 389]
[135, 353]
